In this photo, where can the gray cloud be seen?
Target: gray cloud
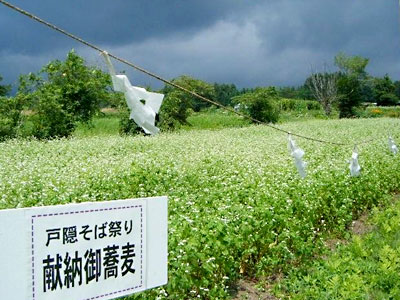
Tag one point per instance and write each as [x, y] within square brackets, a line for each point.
[263, 43]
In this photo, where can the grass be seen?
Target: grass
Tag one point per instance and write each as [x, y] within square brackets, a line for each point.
[107, 123]
[215, 119]
[99, 126]
[368, 267]
[304, 115]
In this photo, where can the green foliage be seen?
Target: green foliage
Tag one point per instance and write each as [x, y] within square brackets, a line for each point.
[350, 95]
[385, 91]
[377, 112]
[174, 111]
[367, 89]
[389, 99]
[351, 65]
[195, 85]
[62, 94]
[298, 105]
[301, 92]
[296, 109]
[261, 104]
[50, 119]
[4, 89]
[178, 105]
[215, 119]
[10, 117]
[81, 87]
[101, 125]
[127, 126]
[397, 88]
[367, 268]
[225, 92]
[236, 204]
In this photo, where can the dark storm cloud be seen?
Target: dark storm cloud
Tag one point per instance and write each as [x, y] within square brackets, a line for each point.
[112, 22]
[364, 26]
[248, 43]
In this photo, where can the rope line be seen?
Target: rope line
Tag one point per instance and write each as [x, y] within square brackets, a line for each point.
[171, 83]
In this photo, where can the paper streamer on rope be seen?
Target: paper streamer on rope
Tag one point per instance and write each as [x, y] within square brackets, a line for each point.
[297, 155]
[143, 113]
[392, 146]
[354, 165]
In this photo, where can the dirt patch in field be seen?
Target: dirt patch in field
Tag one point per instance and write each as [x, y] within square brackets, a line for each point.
[361, 226]
[248, 290]
[109, 110]
[357, 227]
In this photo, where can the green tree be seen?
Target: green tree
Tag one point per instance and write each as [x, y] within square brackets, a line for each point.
[178, 105]
[50, 118]
[10, 116]
[225, 92]
[288, 92]
[195, 85]
[174, 111]
[62, 94]
[304, 92]
[299, 92]
[350, 95]
[82, 87]
[367, 89]
[385, 91]
[351, 65]
[4, 89]
[261, 104]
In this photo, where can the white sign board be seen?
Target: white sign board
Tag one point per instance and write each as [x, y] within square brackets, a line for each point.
[96, 250]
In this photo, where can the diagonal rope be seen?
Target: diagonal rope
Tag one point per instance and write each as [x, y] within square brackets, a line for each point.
[171, 83]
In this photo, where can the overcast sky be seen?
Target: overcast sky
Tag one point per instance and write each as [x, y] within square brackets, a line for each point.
[248, 43]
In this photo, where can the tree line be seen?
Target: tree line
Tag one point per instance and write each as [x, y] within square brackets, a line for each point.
[51, 102]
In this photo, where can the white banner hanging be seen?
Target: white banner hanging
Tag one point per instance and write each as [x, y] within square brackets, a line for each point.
[144, 105]
[354, 165]
[297, 155]
[392, 146]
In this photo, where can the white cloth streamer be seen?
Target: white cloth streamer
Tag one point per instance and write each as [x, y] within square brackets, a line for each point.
[297, 155]
[393, 146]
[354, 166]
[144, 105]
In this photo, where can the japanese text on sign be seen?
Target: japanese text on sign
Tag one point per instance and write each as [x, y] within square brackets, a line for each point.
[101, 248]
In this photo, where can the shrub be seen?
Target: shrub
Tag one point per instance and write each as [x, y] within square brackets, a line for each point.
[10, 117]
[387, 99]
[62, 94]
[178, 105]
[174, 111]
[261, 104]
[386, 111]
[127, 126]
[385, 91]
[299, 105]
[49, 118]
[195, 85]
